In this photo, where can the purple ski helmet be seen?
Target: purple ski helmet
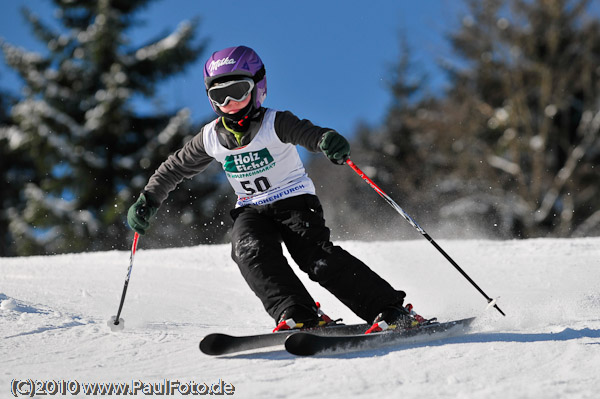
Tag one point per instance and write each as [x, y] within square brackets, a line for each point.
[232, 62]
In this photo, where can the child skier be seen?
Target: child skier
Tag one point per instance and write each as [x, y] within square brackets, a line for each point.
[276, 200]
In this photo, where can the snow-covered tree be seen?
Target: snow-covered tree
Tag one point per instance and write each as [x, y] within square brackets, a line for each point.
[77, 120]
[16, 170]
[511, 149]
[526, 110]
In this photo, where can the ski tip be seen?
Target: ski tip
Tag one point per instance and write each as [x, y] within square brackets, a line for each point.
[214, 344]
[300, 344]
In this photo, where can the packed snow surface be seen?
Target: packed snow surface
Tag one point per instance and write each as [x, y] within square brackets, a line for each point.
[53, 312]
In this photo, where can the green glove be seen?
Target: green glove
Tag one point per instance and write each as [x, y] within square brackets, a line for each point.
[335, 147]
[140, 213]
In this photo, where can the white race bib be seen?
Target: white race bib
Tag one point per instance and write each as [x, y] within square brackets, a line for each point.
[264, 171]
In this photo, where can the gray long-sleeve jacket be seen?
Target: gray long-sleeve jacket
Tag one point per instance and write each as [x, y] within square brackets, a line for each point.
[192, 158]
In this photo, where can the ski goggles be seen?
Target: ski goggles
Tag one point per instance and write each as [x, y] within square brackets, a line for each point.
[237, 90]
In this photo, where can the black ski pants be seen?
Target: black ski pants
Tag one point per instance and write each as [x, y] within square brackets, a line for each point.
[258, 231]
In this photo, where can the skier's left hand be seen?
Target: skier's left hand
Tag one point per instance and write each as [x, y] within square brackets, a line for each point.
[335, 147]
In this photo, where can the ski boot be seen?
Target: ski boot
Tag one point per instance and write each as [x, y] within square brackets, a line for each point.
[397, 317]
[301, 317]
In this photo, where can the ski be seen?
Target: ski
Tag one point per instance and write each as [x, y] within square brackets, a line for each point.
[307, 344]
[220, 344]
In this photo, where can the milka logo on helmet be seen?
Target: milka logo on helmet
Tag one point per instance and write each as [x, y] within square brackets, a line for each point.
[219, 63]
[248, 161]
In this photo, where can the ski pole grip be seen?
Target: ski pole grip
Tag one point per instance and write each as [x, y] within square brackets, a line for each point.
[142, 211]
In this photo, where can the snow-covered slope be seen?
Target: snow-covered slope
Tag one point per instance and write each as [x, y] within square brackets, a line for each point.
[54, 309]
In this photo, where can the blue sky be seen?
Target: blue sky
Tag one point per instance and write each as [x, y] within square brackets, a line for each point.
[326, 60]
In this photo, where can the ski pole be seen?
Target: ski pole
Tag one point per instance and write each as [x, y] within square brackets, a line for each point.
[116, 323]
[412, 222]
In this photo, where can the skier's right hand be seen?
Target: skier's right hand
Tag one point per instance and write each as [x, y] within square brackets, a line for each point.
[140, 213]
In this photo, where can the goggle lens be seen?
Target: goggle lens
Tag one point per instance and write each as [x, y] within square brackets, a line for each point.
[236, 90]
